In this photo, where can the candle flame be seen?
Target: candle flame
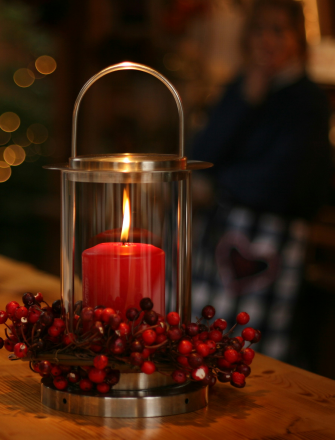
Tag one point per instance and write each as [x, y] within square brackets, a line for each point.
[126, 218]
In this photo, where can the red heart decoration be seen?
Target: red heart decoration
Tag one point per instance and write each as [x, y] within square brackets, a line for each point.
[246, 266]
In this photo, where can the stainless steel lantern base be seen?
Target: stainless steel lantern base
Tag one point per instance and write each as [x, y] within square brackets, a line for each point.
[169, 400]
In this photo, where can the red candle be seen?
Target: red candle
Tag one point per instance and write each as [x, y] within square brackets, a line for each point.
[119, 275]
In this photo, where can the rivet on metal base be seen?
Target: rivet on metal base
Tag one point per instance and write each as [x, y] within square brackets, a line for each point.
[169, 400]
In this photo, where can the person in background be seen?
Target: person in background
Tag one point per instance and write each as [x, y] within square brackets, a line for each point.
[268, 140]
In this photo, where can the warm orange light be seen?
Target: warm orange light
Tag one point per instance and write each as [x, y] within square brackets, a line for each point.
[126, 218]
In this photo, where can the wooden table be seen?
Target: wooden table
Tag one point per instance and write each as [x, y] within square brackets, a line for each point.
[279, 401]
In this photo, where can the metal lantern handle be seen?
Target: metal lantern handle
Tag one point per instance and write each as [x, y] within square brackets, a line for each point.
[127, 66]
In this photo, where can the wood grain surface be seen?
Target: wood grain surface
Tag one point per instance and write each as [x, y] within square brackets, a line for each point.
[279, 401]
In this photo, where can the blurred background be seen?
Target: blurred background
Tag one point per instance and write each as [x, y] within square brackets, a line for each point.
[50, 48]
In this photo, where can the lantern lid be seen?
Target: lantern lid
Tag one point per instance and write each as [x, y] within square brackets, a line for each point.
[128, 162]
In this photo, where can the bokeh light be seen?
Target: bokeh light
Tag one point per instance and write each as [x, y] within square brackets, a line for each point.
[5, 174]
[14, 155]
[45, 64]
[20, 139]
[24, 77]
[4, 137]
[37, 133]
[9, 121]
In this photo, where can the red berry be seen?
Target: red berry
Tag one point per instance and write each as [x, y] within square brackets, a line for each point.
[203, 336]
[39, 297]
[236, 344]
[237, 379]
[185, 347]
[248, 334]
[136, 358]
[215, 335]
[195, 360]
[118, 346]
[200, 372]
[96, 348]
[242, 318]
[124, 329]
[46, 318]
[223, 364]
[96, 375]
[209, 380]
[21, 312]
[148, 367]
[175, 334]
[59, 323]
[150, 317]
[244, 369]
[87, 314]
[113, 377]
[73, 377]
[60, 382]
[28, 299]
[54, 331]
[56, 370]
[183, 360]
[145, 353]
[248, 354]
[146, 304]
[97, 313]
[211, 345]
[224, 377]
[220, 324]
[161, 329]
[192, 329]
[231, 356]
[103, 387]
[20, 350]
[161, 338]
[114, 320]
[9, 345]
[11, 307]
[241, 340]
[100, 361]
[33, 315]
[203, 349]
[132, 314]
[149, 336]
[85, 384]
[3, 316]
[68, 338]
[208, 312]
[44, 368]
[179, 376]
[35, 366]
[136, 346]
[258, 336]
[173, 318]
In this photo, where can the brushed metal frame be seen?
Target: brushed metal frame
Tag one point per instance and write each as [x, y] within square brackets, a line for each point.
[173, 400]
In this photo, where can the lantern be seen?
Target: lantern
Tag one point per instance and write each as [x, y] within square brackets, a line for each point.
[126, 235]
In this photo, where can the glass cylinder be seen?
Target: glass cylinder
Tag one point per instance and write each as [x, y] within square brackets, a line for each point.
[125, 237]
